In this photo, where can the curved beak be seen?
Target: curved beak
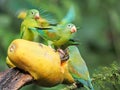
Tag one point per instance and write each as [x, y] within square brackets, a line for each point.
[73, 29]
[37, 16]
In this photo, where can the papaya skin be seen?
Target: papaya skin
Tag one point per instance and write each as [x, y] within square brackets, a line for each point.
[9, 63]
[41, 61]
[68, 79]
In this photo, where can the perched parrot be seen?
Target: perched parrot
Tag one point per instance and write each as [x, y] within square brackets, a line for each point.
[30, 21]
[78, 69]
[57, 35]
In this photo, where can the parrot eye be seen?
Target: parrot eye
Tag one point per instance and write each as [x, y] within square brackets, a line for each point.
[32, 12]
[69, 26]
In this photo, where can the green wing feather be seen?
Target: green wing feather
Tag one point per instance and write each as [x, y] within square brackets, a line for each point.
[70, 16]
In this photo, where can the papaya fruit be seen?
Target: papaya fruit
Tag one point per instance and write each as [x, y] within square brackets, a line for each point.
[41, 61]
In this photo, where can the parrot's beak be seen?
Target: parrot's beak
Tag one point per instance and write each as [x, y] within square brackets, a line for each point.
[73, 29]
[37, 16]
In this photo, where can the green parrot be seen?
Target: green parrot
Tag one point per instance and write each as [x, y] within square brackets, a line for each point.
[30, 21]
[78, 69]
[62, 33]
[57, 36]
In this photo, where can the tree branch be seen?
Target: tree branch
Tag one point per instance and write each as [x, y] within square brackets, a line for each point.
[14, 79]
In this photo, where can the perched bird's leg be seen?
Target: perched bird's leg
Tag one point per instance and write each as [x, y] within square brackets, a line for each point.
[71, 87]
[63, 54]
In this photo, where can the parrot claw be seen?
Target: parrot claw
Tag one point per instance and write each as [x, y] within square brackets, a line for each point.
[63, 54]
[74, 85]
[71, 87]
[61, 51]
[65, 58]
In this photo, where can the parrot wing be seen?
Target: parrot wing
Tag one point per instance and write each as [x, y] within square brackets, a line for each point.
[70, 16]
[48, 34]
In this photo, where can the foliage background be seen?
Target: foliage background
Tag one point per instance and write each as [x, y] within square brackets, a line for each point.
[99, 34]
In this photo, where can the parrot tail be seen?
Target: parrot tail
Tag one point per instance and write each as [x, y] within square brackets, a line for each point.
[90, 85]
[87, 84]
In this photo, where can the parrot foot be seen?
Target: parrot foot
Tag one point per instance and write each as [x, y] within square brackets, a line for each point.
[63, 54]
[71, 87]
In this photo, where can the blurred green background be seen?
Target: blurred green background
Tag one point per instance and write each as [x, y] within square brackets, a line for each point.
[99, 22]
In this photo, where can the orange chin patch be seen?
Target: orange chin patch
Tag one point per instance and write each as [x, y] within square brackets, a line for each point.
[73, 29]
